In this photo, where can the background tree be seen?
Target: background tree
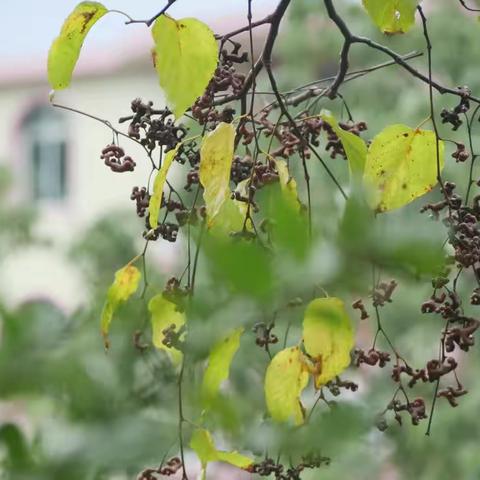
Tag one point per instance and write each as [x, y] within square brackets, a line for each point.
[300, 195]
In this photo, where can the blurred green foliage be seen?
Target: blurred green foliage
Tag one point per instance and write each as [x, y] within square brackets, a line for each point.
[92, 415]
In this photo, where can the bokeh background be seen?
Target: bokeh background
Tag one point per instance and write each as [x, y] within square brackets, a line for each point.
[67, 409]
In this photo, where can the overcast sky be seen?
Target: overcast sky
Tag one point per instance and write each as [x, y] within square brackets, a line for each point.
[29, 26]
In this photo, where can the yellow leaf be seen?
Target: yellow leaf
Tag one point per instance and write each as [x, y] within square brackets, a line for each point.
[401, 166]
[164, 313]
[355, 148]
[285, 379]
[235, 459]
[124, 286]
[328, 338]
[392, 16]
[202, 444]
[156, 198]
[232, 214]
[186, 55]
[65, 49]
[219, 361]
[288, 184]
[216, 156]
[242, 189]
[229, 219]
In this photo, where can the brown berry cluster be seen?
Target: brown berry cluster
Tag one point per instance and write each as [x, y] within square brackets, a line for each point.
[416, 410]
[383, 292]
[226, 80]
[452, 116]
[241, 168]
[335, 386]
[334, 144]
[167, 230]
[170, 468]
[152, 127]
[174, 292]
[188, 152]
[461, 221]
[114, 157]
[141, 198]
[461, 153]
[269, 467]
[372, 357]
[451, 394]
[264, 335]
[358, 305]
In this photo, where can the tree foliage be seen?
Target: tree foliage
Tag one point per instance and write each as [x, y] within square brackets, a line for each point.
[280, 234]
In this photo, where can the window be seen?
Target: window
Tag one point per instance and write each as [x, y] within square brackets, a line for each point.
[46, 150]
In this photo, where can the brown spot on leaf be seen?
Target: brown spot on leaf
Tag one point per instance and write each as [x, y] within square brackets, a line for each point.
[154, 57]
[87, 16]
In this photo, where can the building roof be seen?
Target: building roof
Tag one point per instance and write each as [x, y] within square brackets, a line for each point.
[131, 49]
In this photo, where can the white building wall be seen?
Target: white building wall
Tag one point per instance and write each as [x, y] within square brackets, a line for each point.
[93, 189]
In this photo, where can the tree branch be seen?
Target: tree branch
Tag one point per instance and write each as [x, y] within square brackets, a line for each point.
[246, 28]
[274, 20]
[464, 5]
[351, 39]
[149, 21]
[267, 62]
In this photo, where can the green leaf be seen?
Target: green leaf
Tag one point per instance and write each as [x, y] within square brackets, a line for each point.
[288, 224]
[401, 166]
[65, 49]
[354, 146]
[244, 267]
[18, 453]
[156, 198]
[235, 459]
[232, 214]
[288, 184]
[392, 16]
[124, 286]
[202, 444]
[165, 313]
[219, 361]
[216, 156]
[327, 337]
[185, 54]
[230, 218]
[285, 379]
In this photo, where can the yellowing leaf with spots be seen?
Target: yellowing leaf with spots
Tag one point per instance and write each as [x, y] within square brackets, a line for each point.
[285, 379]
[216, 156]
[202, 444]
[401, 166]
[219, 361]
[355, 148]
[156, 198]
[124, 286]
[328, 338]
[288, 184]
[185, 56]
[65, 49]
[392, 16]
[164, 314]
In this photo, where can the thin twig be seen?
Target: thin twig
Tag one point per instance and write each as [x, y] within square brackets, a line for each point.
[350, 38]
[149, 21]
